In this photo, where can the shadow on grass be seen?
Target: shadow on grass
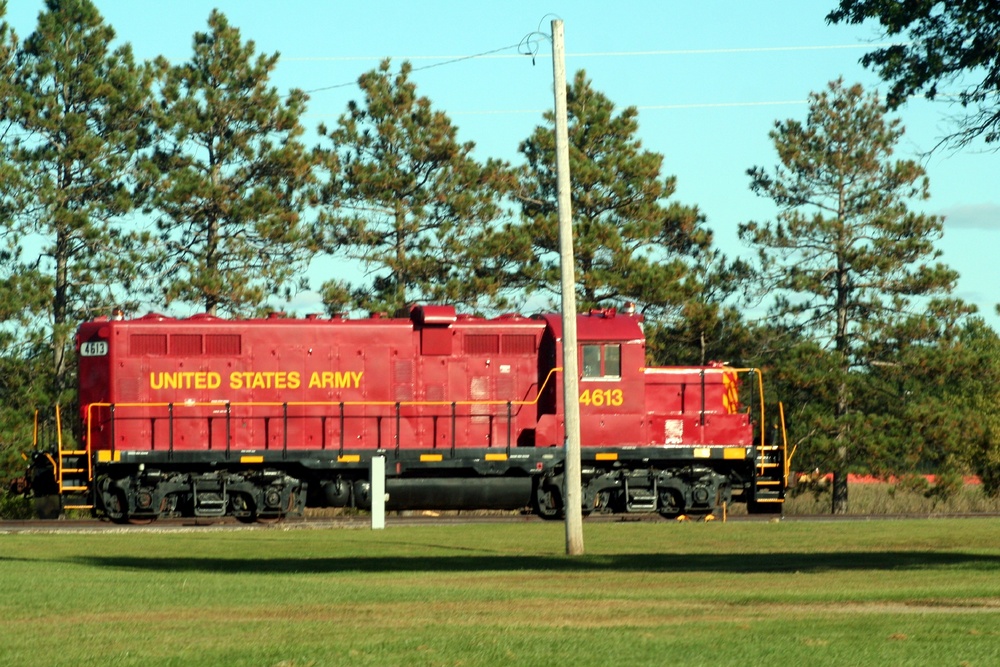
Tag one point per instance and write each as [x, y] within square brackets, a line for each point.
[692, 563]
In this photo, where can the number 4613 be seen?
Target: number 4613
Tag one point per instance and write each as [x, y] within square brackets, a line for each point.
[600, 397]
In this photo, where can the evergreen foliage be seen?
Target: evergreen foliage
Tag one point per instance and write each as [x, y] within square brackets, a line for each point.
[231, 178]
[78, 115]
[945, 46]
[710, 326]
[850, 268]
[630, 243]
[407, 201]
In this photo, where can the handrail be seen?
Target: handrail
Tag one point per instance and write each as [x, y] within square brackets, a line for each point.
[340, 405]
[653, 370]
[285, 404]
[59, 428]
[315, 404]
[784, 443]
[760, 390]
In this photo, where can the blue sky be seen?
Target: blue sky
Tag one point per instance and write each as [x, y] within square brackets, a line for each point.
[709, 79]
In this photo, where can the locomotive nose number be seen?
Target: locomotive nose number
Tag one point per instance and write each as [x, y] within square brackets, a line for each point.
[94, 348]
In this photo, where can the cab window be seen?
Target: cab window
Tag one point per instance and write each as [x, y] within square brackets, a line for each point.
[602, 361]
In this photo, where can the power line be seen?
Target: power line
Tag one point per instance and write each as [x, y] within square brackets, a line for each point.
[451, 61]
[709, 105]
[644, 107]
[498, 53]
[495, 54]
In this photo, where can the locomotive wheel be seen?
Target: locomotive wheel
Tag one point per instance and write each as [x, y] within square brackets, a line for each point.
[245, 507]
[140, 520]
[114, 507]
[548, 502]
[671, 504]
[269, 519]
[47, 507]
[249, 513]
[265, 520]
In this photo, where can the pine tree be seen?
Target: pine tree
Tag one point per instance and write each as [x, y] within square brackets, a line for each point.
[948, 46]
[79, 117]
[977, 357]
[849, 264]
[8, 172]
[711, 326]
[630, 243]
[407, 201]
[232, 177]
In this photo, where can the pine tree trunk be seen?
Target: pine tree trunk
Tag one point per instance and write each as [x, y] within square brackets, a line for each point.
[840, 467]
[839, 493]
[843, 395]
[60, 314]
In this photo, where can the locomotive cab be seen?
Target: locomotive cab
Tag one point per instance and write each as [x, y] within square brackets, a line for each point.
[611, 357]
[673, 440]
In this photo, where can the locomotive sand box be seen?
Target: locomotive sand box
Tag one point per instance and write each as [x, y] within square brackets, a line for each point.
[260, 418]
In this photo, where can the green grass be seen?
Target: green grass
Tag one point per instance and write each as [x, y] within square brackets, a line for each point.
[923, 592]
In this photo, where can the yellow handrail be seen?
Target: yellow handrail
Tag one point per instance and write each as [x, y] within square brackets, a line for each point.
[784, 443]
[244, 404]
[534, 401]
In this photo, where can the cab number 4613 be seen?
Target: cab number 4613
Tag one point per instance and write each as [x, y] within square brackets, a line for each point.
[601, 397]
[94, 348]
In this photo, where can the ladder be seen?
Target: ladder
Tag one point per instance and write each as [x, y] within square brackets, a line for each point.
[771, 469]
[73, 472]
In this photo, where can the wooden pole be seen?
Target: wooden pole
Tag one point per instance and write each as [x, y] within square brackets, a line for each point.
[571, 383]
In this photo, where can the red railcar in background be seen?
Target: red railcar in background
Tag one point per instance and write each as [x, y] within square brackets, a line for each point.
[257, 419]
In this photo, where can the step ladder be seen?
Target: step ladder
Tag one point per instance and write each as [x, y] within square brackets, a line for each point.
[641, 499]
[74, 473]
[771, 468]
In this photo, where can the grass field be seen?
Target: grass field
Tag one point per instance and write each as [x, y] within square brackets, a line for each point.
[918, 592]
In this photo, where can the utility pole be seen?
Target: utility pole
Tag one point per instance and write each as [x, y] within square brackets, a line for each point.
[571, 384]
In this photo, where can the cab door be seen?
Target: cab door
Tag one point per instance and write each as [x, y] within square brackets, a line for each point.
[610, 403]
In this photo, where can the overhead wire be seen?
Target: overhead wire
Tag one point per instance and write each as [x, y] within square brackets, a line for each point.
[599, 54]
[528, 47]
[452, 60]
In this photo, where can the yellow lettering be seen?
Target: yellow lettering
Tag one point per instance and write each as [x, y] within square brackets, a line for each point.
[185, 380]
[237, 379]
[601, 397]
[245, 380]
[328, 380]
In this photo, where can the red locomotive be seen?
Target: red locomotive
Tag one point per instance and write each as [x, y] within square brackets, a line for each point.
[257, 419]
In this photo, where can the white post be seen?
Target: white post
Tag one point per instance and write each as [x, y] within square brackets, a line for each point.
[571, 383]
[378, 492]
